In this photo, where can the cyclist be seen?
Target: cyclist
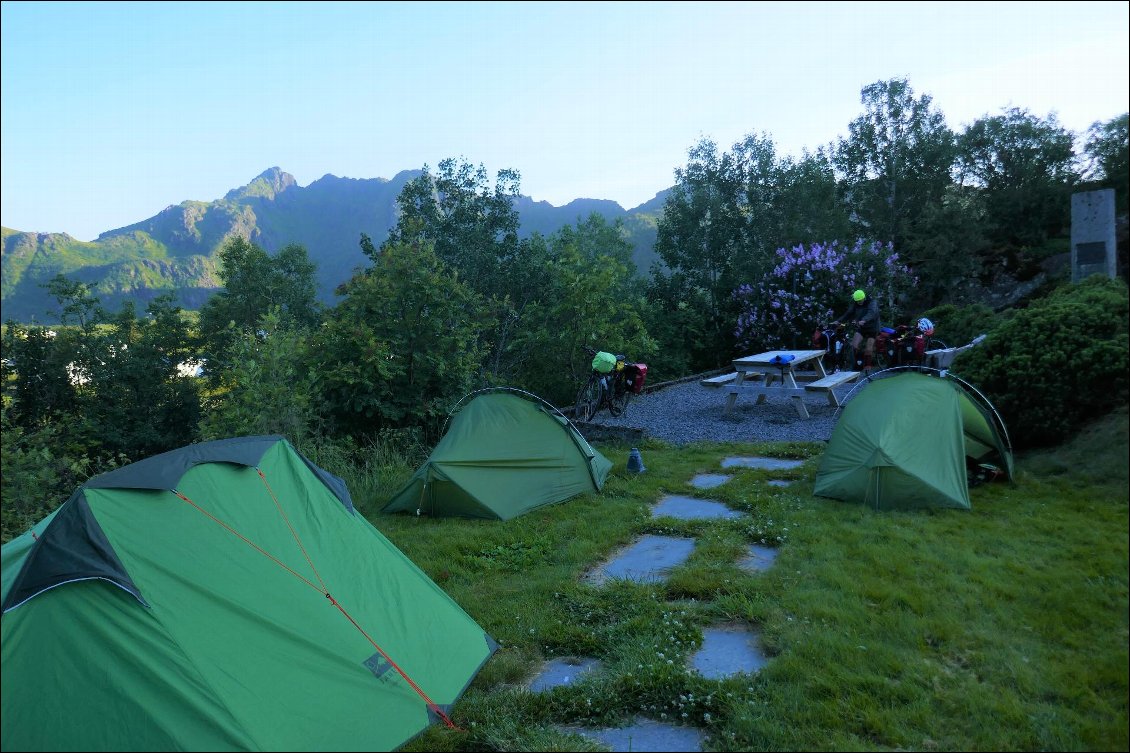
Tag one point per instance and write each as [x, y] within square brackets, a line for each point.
[864, 315]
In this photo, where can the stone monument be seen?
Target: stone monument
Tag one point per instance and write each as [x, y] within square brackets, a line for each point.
[1093, 249]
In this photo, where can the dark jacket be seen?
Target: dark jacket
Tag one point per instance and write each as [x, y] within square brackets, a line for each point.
[868, 312]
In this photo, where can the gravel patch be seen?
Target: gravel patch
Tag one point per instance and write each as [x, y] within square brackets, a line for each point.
[688, 412]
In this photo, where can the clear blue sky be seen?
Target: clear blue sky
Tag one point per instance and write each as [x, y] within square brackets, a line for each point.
[112, 111]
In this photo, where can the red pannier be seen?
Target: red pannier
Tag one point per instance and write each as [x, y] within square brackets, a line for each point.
[886, 348]
[912, 349]
[636, 375]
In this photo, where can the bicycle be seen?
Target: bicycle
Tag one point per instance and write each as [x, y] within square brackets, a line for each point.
[905, 345]
[847, 358]
[832, 339]
[611, 390]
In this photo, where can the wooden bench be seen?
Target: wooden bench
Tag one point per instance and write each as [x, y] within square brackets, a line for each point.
[718, 381]
[730, 379]
[829, 383]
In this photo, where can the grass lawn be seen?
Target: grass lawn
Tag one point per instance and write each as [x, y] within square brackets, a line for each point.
[1000, 628]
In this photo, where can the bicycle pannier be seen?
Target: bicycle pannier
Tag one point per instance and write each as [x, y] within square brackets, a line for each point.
[912, 349]
[636, 375]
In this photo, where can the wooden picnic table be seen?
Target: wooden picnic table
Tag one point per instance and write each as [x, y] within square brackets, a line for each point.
[776, 366]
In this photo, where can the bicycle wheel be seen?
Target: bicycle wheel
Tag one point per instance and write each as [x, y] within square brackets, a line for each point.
[883, 359]
[588, 400]
[618, 400]
[839, 357]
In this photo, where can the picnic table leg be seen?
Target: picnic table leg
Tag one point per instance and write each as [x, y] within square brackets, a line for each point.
[788, 379]
[733, 397]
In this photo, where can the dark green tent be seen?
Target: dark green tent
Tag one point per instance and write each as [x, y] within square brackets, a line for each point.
[503, 455]
[225, 596]
[905, 439]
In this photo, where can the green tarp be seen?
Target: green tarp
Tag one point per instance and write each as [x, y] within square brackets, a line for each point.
[903, 442]
[502, 456]
[223, 597]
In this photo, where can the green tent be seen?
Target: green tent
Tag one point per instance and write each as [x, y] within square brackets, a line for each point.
[904, 441]
[504, 454]
[224, 596]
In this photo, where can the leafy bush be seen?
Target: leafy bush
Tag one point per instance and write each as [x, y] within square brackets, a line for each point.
[1058, 363]
[33, 480]
[42, 467]
[267, 388]
[812, 285]
[402, 347]
[373, 470]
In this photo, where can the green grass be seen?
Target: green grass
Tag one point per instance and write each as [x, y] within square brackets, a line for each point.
[1000, 628]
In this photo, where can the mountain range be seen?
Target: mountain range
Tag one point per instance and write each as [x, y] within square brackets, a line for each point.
[177, 249]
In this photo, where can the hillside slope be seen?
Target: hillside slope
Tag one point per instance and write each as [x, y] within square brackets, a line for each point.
[176, 250]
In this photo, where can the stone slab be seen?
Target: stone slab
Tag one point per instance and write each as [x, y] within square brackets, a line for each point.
[691, 508]
[767, 464]
[562, 671]
[648, 560]
[728, 650]
[709, 480]
[646, 735]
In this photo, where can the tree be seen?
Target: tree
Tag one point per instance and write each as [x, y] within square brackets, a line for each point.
[701, 223]
[47, 365]
[712, 227]
[895, 161]
[473, 229]
[254, 283]
[594, 299]
[947, 244]
[79, 306]
[401, 347]
[40, 364]
[1108, 152]
[270, 387]
[808, 201]
[135, 400]
[1023, 166]
[723, 220]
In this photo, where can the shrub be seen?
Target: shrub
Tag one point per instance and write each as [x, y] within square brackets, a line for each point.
[812, 285]
[1057, 364]
[268, 387]
[43, 466]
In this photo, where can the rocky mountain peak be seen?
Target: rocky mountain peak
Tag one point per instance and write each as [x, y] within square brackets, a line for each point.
[267, 185]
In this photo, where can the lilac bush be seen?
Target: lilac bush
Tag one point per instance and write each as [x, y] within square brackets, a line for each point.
[812, 285]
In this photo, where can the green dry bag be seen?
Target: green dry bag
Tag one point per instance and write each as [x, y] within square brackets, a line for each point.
[603, 362]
